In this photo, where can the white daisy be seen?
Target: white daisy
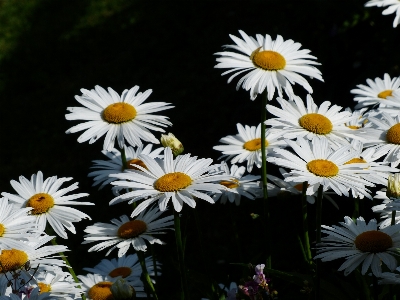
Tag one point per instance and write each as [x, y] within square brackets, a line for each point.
[238, 185]
[97, 287]
[48, 202]
[376, 92]
[15, 224]
[246, 145]
[297, 120]
[318, 164]
[127, 267]
[390, 278]
[121, 117]
[28, 293]
[114, 164]
[387, 142]
[180, 179]
[360, 243]
[124, 232]
[272, 64]
[393, 6]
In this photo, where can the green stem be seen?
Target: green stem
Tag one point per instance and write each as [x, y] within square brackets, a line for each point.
[356, 211]
[306, 239]
[393, 218]
[49, 231]
[264, 178]
[179, 247]
[123, 157]
[146, 275]
[318, 241]
[153, 255]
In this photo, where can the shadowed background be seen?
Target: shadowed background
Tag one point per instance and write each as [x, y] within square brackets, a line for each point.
[49, 50]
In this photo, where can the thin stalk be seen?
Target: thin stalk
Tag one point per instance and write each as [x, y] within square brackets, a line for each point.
[179, 248]
[356, 211]
[318, 240]
[153, 255]
[146, 275]
[49, 231]
[264, 178]
[306, 239]
[393, 217]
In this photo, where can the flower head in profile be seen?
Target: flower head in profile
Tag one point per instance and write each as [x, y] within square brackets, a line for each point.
[246, 145]
[180, 180]
[124, 232]
[49, 203]
[392, 6]
[360, 243]
[270, 64]
[114, 164]
[121, 118]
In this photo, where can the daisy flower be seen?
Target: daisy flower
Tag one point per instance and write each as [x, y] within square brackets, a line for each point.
[121, 117]
[127, 267]
[48, 202]
[180, 179]
[15, 224]
[297, 120]
[393, 6]
[97, 287]
[387, 141]
[318, 164]
[390, 278]
[376, 92]
[28, 294]
[114, 164]
[125, 232]
[359, 242]
[271, 64]
[238, 185]
[246, 145]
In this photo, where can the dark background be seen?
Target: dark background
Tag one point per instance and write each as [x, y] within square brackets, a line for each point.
[49, 50]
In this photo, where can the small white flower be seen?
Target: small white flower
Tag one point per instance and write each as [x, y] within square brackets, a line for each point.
[393, 6]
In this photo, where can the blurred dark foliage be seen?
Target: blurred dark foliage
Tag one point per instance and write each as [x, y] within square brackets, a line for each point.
[52, 49]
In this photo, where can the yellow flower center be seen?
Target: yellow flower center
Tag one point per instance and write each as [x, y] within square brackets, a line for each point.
[43, 287]
[316, 123]
[393, 134]
[101, 291]
[254, 145]
[118, 113]
[323, 168]
[121, 271]
[2, 229]
[385, 94]
[356, 160]
[373, 241]
[41, 203]
[172, 182]
[268, 60]
[230, 184]
[12, 260]
[354, 127]
[135, 161]
[132, 229]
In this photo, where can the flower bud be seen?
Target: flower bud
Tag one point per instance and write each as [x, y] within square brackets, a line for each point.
[172, 142]
[122, 290]
[393, 188]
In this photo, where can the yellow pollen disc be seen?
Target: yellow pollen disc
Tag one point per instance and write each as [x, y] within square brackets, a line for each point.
[172, 182]
[101, 291]
[41, 203]
[354, 127]
[373, 241]
[136, 162]
[385, 94]
[132, 229]
[43, 287]
[12, 260]
[268, 60]
[230, 184]
[393, 134]
[254, 145]
[2, 229]
[323, 168]
[119, 113]
[121, 271]
[356, 160]
[316, 123]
